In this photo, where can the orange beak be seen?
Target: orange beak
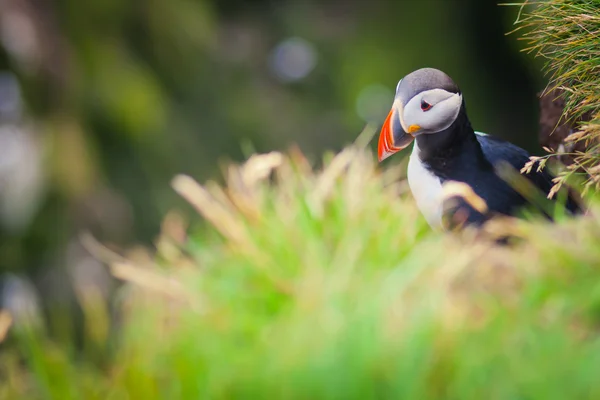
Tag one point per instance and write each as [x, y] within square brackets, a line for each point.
[392, 138]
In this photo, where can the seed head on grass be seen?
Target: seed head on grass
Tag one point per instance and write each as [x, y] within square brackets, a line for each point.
[566, 34]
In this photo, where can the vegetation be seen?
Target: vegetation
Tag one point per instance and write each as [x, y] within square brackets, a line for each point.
[565, 34]
[327, 283]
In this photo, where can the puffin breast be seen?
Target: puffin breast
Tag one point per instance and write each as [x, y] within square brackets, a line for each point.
[426, 189]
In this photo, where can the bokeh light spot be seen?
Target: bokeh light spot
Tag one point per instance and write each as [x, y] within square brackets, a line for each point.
[293, 59]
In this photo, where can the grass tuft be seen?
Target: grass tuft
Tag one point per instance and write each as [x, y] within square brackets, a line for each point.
[566, 34]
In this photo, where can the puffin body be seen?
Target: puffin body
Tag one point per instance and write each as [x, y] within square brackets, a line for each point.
[429, 109]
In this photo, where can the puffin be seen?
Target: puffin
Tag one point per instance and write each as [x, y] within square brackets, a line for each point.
[429, 110]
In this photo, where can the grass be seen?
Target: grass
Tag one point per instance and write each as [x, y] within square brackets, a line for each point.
[327, 283]
[566, 34]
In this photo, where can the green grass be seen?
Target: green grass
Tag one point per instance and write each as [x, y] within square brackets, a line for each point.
[328, 284]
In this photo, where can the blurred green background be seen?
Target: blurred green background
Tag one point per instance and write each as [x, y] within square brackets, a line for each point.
[102, 102]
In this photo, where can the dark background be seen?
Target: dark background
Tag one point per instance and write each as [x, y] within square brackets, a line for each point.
[102, 102]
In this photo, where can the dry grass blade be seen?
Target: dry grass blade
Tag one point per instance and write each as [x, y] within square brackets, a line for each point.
[204, 202]
[259, 167]
[327, 179]
[465, 192]
[151, 280]
[243, 182]
[6, 321]
[98, 250]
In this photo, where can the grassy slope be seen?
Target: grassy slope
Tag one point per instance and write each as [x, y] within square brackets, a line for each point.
[329, 284]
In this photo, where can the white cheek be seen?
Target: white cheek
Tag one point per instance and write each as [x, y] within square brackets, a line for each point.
[438, 118]
[413, 114]
[446, 113]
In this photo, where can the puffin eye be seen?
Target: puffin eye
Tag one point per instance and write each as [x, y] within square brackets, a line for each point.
[425, 106]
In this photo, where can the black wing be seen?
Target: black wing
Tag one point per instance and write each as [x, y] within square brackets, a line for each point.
[496, 150]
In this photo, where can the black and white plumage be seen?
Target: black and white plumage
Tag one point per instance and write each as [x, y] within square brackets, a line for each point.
[429, 109]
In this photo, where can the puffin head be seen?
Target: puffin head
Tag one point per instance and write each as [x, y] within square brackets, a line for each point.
[427, 101]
